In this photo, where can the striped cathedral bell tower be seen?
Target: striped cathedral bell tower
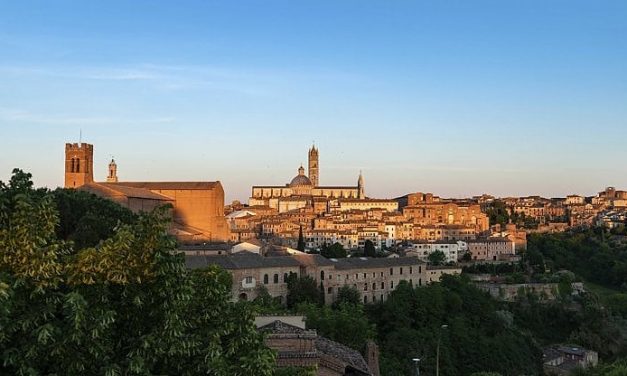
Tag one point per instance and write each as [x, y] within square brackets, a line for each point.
[314, 167]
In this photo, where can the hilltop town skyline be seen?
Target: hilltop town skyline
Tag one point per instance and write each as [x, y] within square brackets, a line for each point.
[280, 176]
[493, 97]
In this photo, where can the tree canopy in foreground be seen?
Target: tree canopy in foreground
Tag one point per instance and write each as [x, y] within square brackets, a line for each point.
[126, 305]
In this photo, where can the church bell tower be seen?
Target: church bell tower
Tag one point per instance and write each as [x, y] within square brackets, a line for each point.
[79, 164]
[314, 168]
[113, 172]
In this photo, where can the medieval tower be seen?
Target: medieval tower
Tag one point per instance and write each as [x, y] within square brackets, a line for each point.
[79, 164]
[361, 194]
[314, 167]
[113, 172]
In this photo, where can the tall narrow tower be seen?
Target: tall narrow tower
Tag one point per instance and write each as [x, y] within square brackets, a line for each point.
[113, 172]
[314, 168]
[79, 163]
[361, 189]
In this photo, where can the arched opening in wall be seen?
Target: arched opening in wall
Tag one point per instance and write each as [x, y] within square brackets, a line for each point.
[285, 278]
[276, 278]
[78, 165]
[243, 297]
[265, 279]
[420, 282]
[365, 299]
[322, 275]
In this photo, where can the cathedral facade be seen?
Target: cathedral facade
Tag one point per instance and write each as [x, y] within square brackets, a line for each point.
[304, 191]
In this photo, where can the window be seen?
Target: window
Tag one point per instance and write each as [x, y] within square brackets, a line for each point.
[411, 270]
[78, 165]
[391, 271]
[265, 279]
[374, 274]
[401, 270]
[381, 274]
[249, 280]
[322, 275]
[392, 284]
[365, 299]
[364, 275]
[330, 290]
[374, 286]
[382, 285]
[365, 287]
[276, 278]
[420, 282]
[285, 278]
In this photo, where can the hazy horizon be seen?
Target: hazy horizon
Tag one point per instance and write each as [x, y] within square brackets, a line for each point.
[447, 97]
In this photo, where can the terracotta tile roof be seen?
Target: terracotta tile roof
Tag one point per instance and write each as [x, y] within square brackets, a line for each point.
[240, 260]
[108, 189]
[370, 262]
[170, 185]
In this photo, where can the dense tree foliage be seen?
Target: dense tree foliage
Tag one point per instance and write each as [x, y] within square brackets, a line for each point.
[302, 290]
[346, 324]
[618, 368]
[498, 213]
[301, 240]
[86, 219]
[436, 258]
[592, 253]
[335, 250]
[479, 337]
[123, 307]
[369, 249]
[348, 295]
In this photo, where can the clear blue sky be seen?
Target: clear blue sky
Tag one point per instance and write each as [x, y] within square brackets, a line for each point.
[454, 97]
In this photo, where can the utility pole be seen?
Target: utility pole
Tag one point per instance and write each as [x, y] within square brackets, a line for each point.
[437, 352]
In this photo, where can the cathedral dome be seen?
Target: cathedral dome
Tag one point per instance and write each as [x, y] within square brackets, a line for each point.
[300, 179]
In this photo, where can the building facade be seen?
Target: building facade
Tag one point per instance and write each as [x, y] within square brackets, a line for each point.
[197, 207]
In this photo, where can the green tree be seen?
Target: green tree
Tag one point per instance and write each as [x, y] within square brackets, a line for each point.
[301, 240]
[335, 250]
[347, 295]
[126, 306]
[498, 213]
[86, 219]
[302, 290]
[478, 337]
[347, 324]
[369, 249]
[436, 258]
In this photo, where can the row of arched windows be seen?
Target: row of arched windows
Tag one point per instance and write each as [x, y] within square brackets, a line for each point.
[75, 165]
[275, 279]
